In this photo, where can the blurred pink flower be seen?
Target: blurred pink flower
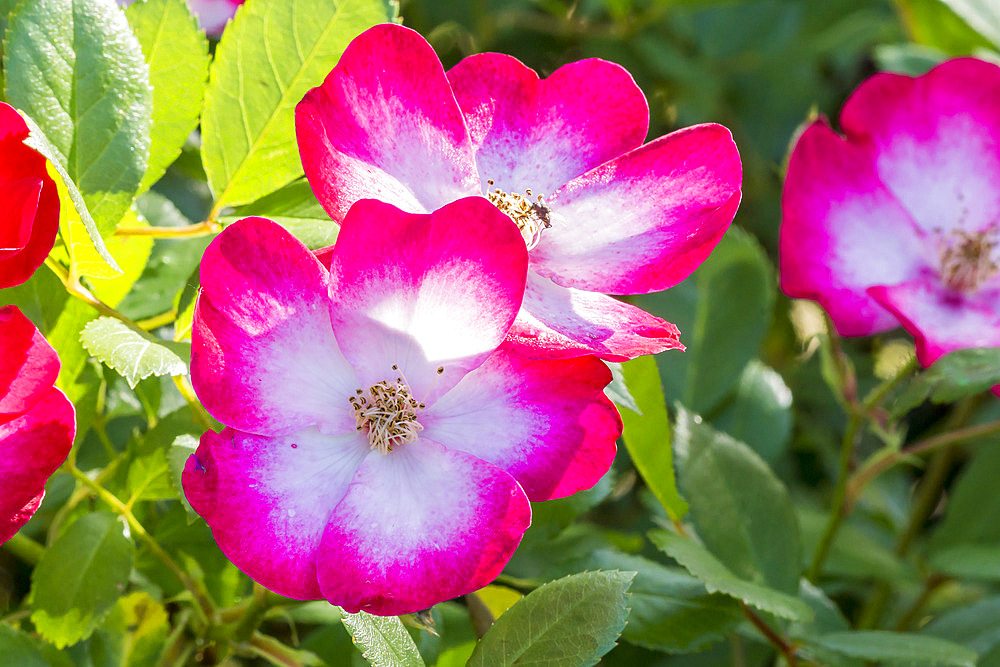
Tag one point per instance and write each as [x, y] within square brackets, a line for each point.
[383, 444]
[898, 222]
[212, 14]
[563, 156]
[37, 421]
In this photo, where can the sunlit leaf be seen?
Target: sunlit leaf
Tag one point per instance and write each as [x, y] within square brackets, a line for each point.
[383, 640]
[133, 354]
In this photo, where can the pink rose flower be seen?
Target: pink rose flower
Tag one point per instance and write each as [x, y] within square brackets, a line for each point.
[29, 219]
[898, 222]
[37, 421]
[563, 156]
[382, 443]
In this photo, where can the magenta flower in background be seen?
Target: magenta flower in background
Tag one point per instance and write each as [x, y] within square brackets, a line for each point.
[382, 443]
[212, 14]
[37, 421]
[898, 222]
[562, 156]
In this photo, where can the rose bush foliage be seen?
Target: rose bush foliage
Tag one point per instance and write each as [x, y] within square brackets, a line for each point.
[323, 366]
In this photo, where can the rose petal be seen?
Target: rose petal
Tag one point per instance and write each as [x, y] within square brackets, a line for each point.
[559, 322]
[268, 499]
[264, 358]
[32, 446]
[385, 125]
[418, 526]
[28, 364]
[643, 221]
[935, 139]
[547, 423]
[20, 199]
[12, 523]
[540, 133]
[843, 232]
[425, 291]
[940, 320]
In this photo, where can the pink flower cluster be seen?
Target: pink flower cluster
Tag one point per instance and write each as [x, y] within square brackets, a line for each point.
[393, 403]
[898, 221]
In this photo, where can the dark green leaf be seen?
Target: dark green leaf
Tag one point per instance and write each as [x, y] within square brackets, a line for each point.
[647, 434]
[133, 354]
[383, 640]
[270, 55]
[76, 68]
[718, 578]
[18, 649]
[968, 561]
[956, 375]
[742, 511]
[723, 312]
[177, 54]
[854, 553]
[897, 648]
[973, 626]
[759, 413]
[79, 578]
[569, 622]
[970, 517]
[671, 610]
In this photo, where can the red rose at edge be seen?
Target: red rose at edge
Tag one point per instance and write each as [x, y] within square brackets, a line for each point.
[29, 217]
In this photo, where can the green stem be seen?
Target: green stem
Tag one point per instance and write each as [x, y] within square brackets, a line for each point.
[187, 232]
[77, 290]
[24, 548]
[872, 469]
[838, 510]
[273, 651]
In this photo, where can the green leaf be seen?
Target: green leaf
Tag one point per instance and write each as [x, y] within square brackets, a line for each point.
[76, 68]
[742, 511]
[77, 226]
[982, 15]
[79, 578]
[618, 391]
[177, 54]
[647, 434]
[724, 307]
[978, 562]
[133, 354]
[955, 375]
[18, 649]
[897, 648]
[671, 610]
[295, 208]
[383, 640]
[269, 57]
[132, 635]
[569, 622]
[974, 504]
[973, 626]
[182, 448]
[933, 23]
[854, 553]
[718, 578]
[759, 413]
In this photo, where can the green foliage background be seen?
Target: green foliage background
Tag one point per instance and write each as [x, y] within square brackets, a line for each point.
[780, 495]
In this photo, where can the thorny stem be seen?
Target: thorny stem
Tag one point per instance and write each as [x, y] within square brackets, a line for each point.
[783, 645]
[204, 604]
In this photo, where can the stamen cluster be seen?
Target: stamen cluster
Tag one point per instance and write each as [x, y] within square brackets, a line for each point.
[387, 413]
[531, 217]
[970, 260]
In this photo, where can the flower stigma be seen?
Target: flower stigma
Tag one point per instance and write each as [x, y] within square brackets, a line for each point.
[528, 211]
[387, 413]
[970, 260]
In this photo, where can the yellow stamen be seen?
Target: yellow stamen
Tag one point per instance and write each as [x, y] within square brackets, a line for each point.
[528, 211]
[969, 260]
[387, 413]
